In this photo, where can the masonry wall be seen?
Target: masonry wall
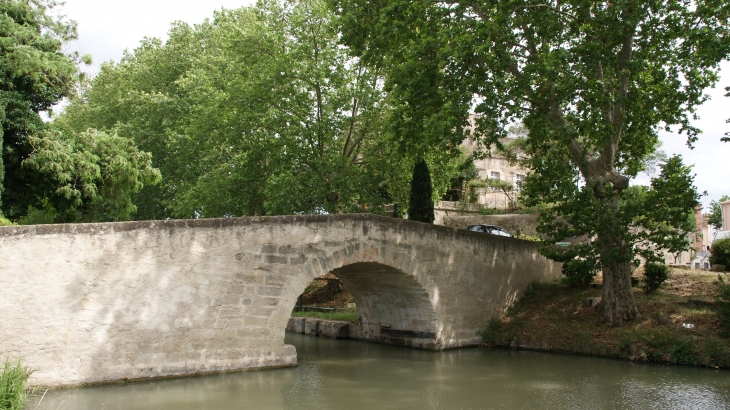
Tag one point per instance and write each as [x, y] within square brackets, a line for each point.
[95, 303]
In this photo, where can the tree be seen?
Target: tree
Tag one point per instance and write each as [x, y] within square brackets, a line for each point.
[715, 217]
[258, 111]
[466, 171]
[420, 207]
[96, 174]
[592, 82]
[34, 75]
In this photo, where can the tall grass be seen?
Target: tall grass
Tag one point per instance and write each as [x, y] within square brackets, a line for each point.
[13, 393]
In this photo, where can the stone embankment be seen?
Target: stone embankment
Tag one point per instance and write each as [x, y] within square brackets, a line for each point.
[332, 329]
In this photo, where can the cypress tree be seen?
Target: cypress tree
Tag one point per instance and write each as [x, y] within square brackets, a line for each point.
[420, 207]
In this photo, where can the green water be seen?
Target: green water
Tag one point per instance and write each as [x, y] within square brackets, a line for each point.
[352, 375]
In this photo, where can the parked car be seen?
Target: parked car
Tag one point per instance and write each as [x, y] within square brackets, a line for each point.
[490, 229]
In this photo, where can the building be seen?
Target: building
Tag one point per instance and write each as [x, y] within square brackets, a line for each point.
[724, 232]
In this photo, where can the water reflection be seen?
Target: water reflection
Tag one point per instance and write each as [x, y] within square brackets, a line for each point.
[336, 374]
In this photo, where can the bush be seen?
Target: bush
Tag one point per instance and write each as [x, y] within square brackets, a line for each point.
[490, 334]
[723, 303]
[720, 252]
[13, 393]
[4, 221]
[579, 273]
[654, 275]
[420, 207]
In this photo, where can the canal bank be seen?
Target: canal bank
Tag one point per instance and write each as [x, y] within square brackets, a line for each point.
[679, 324]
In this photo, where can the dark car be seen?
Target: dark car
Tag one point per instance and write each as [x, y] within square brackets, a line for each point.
[490, 229]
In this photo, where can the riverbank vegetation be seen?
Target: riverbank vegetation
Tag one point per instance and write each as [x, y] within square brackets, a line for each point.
[13, 392]
[685, 321]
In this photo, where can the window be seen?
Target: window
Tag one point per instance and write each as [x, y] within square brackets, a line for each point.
[494, 175]
[518, 181]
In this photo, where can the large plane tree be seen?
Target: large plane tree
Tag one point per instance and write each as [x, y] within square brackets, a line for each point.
[594, 82]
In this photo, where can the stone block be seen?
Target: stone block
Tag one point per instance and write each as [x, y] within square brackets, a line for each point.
[276, 259]
[268, 291]
[268, 248]
[295, 325]
[253, 321]
[311, 326]
[334, 329]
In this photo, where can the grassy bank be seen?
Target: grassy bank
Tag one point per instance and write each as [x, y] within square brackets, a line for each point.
[13, 393]
[678, 324]
[344, 316]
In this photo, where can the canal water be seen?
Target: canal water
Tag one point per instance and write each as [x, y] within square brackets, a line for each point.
[353, 375]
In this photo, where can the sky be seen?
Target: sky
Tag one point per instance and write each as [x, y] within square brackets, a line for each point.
[108, 27]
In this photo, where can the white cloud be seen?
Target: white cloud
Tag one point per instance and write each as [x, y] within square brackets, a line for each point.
[108, 27]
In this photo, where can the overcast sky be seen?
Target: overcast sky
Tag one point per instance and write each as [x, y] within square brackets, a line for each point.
[108, 27]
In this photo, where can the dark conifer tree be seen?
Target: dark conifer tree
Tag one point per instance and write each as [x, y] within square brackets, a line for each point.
[420, 207]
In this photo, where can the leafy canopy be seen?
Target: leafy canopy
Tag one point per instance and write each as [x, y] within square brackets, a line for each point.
[34, 75]
[593, 82]
[715, 216]
[258, 111]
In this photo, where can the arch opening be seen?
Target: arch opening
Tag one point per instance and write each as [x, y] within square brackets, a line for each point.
[392, 307]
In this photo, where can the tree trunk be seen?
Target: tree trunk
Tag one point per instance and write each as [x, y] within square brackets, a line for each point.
[617, 304]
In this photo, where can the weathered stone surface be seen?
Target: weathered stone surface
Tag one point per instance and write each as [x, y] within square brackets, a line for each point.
[93, 303]
[295, 325]
[333, 329]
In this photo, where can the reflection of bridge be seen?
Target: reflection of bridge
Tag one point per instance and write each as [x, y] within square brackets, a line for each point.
[102, 302]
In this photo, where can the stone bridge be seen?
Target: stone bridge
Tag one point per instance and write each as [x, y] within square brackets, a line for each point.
[89, 303]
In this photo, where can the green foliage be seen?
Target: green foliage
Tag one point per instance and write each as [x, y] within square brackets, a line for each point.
[466, 172]
[473, 188]
[35, 74]
[593, 84]
[13, 393]
[720, 252]
[39, 216]
[420, 206]
[579, 273]
[531, 238]
[655, 274]
[722, 286]
[257, 111]
[96, 173]
[715, 215]
[5, 221]
[491, 335]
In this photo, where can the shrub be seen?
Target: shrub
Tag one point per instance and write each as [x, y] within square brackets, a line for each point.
[4, 221]
[579, 273]
[654, 275]
[420, 207]
[720, 252]
[723, 303]
[490, 335]
[13, 393]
